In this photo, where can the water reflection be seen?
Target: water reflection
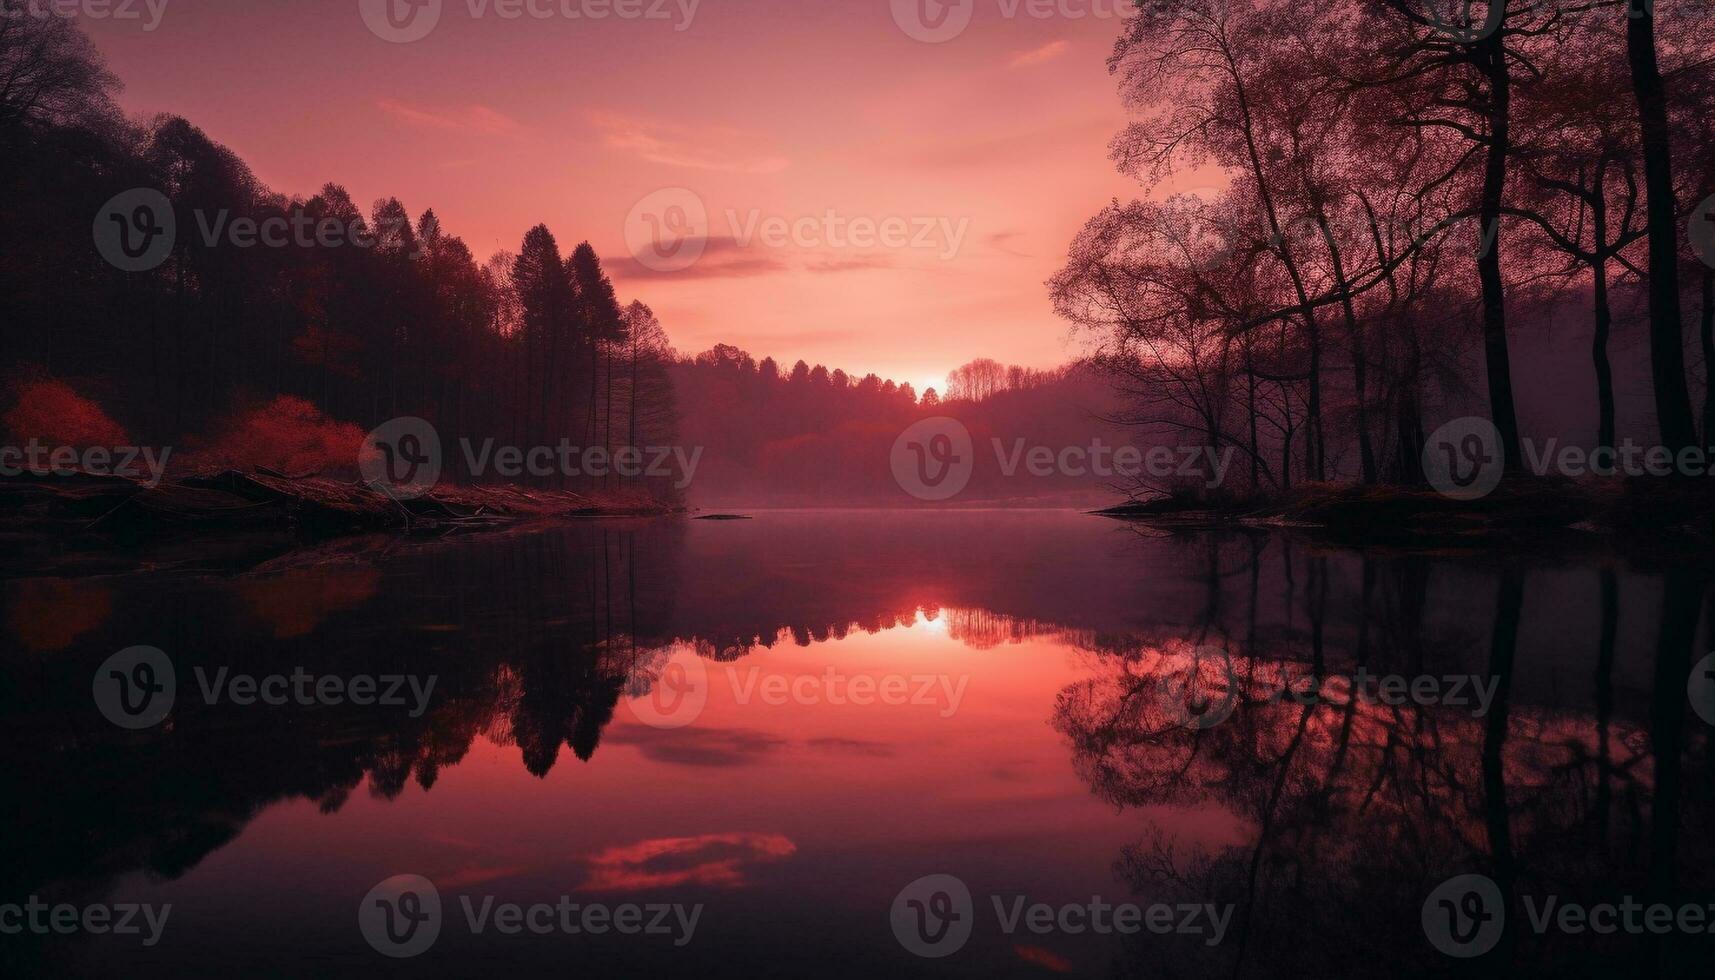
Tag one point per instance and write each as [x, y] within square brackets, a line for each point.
[1325, 820]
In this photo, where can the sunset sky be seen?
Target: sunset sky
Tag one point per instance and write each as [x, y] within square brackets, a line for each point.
[769, 109]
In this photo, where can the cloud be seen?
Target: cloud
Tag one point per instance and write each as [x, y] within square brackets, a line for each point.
[472, 118]
[856, 263]
[711, 860]
[722, 258]
[852, 746]
[703, 747]
[693, 147]
[998, 241]
[1036, 56]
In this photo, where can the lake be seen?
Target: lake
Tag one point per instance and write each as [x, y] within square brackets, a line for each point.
[859, 744]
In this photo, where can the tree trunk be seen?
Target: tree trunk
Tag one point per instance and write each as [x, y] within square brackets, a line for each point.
[1366, 450]
[607, 427]
[1666, 341]
[1503, 648]
[1707, 333]
[1499, 360]
[1599, 354]
[1314, 451]
[1250, 414]
[631, 416]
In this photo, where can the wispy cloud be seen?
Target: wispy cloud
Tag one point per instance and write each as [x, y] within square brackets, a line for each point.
[852, 746]
[474, 118]
[1000, 242]
[855, 263]
[704, 747]
[1036, 56]
[693, 147]
[711, 860]
[722, 258]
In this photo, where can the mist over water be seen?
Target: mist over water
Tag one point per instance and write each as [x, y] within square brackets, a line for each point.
[994, 695]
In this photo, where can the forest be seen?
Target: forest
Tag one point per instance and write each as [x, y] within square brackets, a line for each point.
[1404, 191]
[805, 435]
[1418, 215]
[283, 353]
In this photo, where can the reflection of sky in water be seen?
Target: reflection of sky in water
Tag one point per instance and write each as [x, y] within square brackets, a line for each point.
[1024, 744]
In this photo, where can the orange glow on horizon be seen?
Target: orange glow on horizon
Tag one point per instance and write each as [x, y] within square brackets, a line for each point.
[772, 109]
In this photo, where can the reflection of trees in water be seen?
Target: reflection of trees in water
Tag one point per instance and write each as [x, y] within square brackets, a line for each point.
[533, 640]
[981, 629]
[1352, 810]
[530, 639]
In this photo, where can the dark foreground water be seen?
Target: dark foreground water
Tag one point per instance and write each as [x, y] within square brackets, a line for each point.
[671, 748]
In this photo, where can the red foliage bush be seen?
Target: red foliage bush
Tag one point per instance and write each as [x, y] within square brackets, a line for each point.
[289, 435]
[50, 411]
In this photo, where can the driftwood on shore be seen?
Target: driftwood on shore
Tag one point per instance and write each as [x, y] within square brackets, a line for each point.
[77, 503]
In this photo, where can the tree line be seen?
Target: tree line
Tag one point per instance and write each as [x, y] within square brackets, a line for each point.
[395, 318]
[1399, 187]
[807, 435]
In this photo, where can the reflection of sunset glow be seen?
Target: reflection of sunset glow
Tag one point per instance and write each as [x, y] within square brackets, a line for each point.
[716, 860]
[50, 613]
[724, 112]
[1045, 958]
[297, 601]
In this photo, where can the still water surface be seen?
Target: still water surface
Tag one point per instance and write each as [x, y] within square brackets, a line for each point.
[787, 721]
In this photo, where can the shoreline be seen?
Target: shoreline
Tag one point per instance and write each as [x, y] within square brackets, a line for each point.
[115, 512]
[1521, 509]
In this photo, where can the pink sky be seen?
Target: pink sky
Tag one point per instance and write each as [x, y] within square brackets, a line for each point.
[780, 109]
